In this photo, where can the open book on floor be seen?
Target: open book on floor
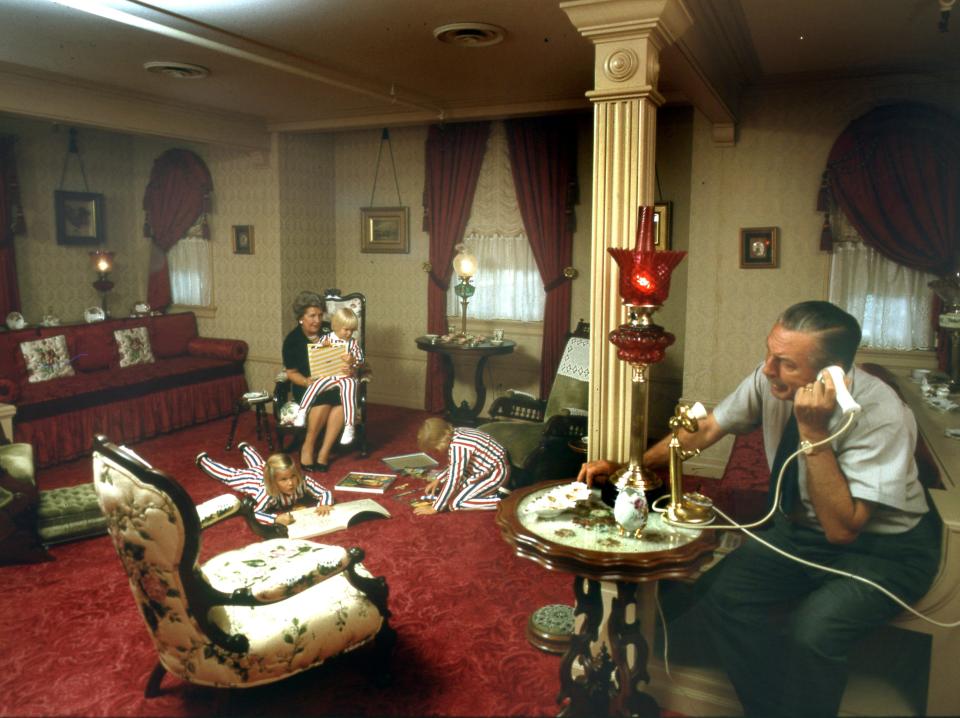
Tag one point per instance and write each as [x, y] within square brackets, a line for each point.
[308, 523]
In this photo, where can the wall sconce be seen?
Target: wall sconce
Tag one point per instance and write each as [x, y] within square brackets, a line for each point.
[102, 265]
[465, 265]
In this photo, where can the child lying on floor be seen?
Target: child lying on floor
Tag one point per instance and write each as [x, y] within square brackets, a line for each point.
[276, 483]
[477, 467]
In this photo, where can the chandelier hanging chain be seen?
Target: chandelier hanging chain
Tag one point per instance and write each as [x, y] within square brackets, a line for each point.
[385, 137]
[73, 149]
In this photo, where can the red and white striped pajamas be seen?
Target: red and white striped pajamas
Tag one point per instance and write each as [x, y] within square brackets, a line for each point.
[477, 467]
[249, 481]
[348, 385]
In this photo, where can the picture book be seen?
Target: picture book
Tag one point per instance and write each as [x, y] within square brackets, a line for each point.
[325, 360]
[362, 481]
[419, 460]
[308, 523]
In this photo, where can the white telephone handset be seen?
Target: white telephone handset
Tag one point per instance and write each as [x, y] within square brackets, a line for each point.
[844, 398]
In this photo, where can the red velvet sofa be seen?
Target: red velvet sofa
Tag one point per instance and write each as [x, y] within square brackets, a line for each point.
[191, 380]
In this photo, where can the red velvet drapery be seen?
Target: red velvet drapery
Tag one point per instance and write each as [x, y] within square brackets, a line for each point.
[11, 223]
[177, 194]
[895, 174]
[543, 156]
[454, 154]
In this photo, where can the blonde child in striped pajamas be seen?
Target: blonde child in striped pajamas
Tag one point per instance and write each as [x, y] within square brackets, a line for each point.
[276, 483]
[477, 467]
[343, 324]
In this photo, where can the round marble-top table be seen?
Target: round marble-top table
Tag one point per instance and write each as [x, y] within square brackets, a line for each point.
[615, 579]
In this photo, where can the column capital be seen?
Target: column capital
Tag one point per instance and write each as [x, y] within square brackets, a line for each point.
[628, 35]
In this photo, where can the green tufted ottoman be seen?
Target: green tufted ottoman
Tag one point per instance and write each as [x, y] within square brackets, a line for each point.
[69, 513]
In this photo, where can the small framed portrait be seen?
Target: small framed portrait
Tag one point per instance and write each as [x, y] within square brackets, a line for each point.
[759, 248]
[243, 239]
[661, 226]
[384, 230]
[79, 218]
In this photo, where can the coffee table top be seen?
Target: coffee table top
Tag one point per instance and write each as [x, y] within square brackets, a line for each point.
[585, 539]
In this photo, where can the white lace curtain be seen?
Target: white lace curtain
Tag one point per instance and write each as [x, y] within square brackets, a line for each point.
[508, 282]
[892, 303]
[189, 264]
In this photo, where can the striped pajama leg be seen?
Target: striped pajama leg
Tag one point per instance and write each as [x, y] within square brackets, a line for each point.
[481, 495]
[316, 388]
[252, 458]
[348, 398]
[246, 481]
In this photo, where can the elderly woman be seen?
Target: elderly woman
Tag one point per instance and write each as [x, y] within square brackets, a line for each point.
[326, 412]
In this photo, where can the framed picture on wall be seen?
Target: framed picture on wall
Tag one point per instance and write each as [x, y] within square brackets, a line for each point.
[384, 230]
[79, 217]
[243, 239]
[759, 248]
[661, 225]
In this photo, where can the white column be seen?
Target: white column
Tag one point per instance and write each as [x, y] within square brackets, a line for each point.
[628, 36]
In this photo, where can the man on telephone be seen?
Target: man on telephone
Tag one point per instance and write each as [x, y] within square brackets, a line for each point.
[783, 630]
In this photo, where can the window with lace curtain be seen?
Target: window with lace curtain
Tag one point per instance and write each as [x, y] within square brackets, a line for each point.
[189, 264]
[892, 303]
[507, 279]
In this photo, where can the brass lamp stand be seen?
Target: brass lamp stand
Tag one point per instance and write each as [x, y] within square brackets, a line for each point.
[644, 285]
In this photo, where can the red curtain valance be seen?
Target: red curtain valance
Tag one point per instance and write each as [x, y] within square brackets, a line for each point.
[176, 196]
[895, 174]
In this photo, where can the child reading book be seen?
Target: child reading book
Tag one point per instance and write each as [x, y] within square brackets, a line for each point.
[276, 483]
[477, 467]
[343, 324]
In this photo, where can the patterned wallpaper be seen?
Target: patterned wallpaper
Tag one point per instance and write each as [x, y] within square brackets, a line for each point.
[770, 178]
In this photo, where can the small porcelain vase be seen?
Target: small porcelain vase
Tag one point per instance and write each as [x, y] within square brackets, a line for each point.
[630, 510]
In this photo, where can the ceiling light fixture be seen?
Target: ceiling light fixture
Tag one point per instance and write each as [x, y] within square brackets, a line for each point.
[470, 34]
[178, 70]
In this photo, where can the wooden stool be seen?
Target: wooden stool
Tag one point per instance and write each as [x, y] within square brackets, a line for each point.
[257, 401]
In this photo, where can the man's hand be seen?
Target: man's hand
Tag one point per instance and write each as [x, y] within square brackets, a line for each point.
[813, 405]
[596, 471]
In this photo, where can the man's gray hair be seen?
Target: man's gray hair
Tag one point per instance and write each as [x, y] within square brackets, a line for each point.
[838, 332]
[305, 300]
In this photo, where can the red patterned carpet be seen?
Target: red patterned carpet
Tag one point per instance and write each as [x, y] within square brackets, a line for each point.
[74, 644]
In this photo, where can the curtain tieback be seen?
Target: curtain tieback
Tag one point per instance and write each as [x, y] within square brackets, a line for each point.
[428, 268]
[568, 274]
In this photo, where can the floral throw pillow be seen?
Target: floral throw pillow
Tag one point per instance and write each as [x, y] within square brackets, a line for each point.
[46, 358]
[134, 346]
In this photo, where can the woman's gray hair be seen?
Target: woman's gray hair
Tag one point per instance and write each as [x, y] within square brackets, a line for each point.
[305, 300]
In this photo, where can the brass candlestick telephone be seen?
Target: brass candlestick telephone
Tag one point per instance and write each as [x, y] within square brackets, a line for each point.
[693, 507]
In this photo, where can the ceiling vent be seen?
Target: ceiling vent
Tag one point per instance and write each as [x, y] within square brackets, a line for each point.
[178, 70]
[470, 34]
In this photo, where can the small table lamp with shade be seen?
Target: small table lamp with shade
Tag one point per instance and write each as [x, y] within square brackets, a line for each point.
[102, 265]
[465, 265]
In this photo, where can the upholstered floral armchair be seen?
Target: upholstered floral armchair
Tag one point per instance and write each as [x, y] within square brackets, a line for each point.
[246, 617]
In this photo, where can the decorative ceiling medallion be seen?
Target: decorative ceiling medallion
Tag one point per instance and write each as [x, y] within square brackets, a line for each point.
[470, 34]
[178, 70]
[621, 65]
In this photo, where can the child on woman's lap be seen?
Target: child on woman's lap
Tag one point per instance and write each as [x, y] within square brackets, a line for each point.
[477, 467]
[343, 324]
[276, 483]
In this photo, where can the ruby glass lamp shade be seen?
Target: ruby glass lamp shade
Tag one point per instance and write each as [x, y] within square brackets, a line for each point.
[645, 272]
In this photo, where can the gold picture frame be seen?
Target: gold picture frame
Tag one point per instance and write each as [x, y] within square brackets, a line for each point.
[759, 248]
[661, 226]
[384, 230]
[243, 239]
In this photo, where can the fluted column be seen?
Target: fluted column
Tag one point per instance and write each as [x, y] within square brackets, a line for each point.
[628, 36]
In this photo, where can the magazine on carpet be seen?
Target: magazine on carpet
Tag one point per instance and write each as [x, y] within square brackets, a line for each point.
[418, 460]
[366, 482]
[308, 523]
